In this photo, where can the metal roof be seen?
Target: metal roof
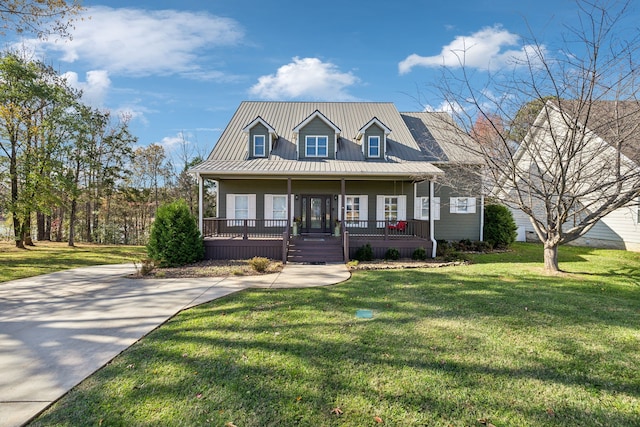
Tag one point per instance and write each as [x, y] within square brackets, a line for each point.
[409, 152]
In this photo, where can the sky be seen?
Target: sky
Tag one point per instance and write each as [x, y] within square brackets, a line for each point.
[180, 69]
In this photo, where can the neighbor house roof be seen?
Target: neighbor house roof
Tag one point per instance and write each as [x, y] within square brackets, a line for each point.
[410, 152]
[616, 122]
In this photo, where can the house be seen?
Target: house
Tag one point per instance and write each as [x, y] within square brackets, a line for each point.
[608, 146]
[315, 181]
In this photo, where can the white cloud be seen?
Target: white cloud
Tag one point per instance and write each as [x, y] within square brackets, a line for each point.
[144, 42]
[306, 78]
[485, 49]
[94, 89]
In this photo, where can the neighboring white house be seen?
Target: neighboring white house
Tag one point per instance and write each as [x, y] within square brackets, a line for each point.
[619, 229]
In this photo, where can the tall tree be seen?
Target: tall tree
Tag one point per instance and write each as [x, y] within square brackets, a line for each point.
[559, 104]
[27, 91]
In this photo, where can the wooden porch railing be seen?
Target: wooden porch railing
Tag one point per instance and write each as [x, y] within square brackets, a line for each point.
[244, 228]
[387, 229]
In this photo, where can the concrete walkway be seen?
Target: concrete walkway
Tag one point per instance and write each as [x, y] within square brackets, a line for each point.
[59, 328]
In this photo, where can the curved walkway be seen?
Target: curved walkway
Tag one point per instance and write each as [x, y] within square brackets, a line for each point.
[59, 328]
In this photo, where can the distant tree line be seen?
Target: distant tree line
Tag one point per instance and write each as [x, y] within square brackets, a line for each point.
[71, 172]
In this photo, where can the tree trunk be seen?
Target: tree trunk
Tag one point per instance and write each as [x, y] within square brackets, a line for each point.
[26, 230]
[72, 222]
[60, 225]
[47, 228]
[551, 257]
[88, 222]
[40, 219]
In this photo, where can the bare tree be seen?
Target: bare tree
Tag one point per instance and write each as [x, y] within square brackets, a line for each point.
[559, 131]
[39, 17]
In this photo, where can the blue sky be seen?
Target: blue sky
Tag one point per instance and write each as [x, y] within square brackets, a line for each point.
[180, 69]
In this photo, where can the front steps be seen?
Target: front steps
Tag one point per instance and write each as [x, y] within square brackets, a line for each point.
[315, 249]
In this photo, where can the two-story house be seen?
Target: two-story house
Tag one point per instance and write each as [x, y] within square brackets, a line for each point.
[314, 181]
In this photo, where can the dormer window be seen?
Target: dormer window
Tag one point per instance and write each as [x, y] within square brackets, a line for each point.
[316, 146]
[260, 137]
[317, 137]
[374, 146]
[373, 137]
[259, 146]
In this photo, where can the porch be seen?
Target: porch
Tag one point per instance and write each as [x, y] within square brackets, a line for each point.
[277, 239]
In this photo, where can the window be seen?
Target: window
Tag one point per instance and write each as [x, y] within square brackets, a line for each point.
[374, 146]
[462, 205]
[275, 210]
[390, 208]
[422, 208]
[316, 146]
[259, 146]
[356, 210]
[239, 208]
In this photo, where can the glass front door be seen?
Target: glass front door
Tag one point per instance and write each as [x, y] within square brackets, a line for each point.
[316, 214]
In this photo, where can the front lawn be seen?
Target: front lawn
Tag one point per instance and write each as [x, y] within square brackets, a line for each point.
[48, 257]
[497, 342]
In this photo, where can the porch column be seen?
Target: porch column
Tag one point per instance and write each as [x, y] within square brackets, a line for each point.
[434, 244]
[343, 198]
[289, 203]
[200, 202]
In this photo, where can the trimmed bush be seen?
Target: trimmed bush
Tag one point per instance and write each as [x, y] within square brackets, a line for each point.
[259, 264]
[364, 253]
[175, 239]
[420, 254]
[499, 226]
[392, 254]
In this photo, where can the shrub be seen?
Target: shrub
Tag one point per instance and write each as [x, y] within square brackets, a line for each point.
[499, 226]
[259, 264]
[392, 254]
[175, 239]
[420, 254]
[364, 253]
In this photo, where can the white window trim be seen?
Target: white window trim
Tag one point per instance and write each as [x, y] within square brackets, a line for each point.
[435, 208]
[363, 212]
[306, 146]
[264, 146]
[454, 205]
[402, 208]
[231, 210]
[270, 221]
[379, 146]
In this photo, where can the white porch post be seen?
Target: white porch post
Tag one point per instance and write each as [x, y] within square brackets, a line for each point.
[434, 244]
[200, 203]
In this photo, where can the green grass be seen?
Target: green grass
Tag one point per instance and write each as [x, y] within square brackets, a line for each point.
[47, 257]
[494, 342]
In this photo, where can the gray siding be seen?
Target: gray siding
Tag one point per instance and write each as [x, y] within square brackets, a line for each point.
[455, 226]
[259, 129]
[317, 127]
[373, 130]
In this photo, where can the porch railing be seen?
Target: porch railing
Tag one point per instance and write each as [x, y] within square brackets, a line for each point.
[387, 229]
[244, 228]
[274, 228]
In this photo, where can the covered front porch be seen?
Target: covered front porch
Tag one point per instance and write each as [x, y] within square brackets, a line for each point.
[274, 216]
[243, 239]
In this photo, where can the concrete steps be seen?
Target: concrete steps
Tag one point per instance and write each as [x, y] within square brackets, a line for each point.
[315, 249]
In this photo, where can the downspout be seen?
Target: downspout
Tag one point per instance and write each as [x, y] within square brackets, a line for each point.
[481, 217]
[434, 244]
[482, 207]
[200, 202]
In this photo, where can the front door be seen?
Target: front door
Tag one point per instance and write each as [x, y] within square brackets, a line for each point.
[316, 214]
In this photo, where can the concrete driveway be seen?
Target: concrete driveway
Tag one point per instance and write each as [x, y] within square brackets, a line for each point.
[59, 328]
